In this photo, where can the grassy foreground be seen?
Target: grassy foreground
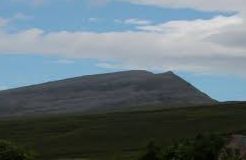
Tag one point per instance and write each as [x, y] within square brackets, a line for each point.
[118, 135]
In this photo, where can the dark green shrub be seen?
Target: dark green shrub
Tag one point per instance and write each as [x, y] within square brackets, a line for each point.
[152, 152]
[230, 154]
[202, 147]
[9, 151]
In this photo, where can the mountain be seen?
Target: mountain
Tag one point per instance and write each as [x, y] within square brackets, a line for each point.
[109, 92]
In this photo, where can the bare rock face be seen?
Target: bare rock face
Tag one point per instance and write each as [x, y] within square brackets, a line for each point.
[121, 91]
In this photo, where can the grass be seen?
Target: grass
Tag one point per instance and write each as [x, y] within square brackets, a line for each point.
[118, 135]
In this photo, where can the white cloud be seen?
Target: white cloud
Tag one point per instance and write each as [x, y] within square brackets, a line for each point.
[135, 21]
[17, 17]
[107, 65]
[3, 22]
[94, 19]
[206, 5]
[64, 61]
[214, 45]
[98, 3]
[175, 45]
[21, 17]
[206, 26]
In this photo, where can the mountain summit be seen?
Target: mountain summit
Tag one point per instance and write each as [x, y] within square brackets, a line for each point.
[120, 91]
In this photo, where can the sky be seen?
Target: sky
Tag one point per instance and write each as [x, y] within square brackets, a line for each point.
[204, 42]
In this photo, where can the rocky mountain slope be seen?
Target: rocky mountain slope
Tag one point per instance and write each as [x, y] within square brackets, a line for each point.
[102, 93]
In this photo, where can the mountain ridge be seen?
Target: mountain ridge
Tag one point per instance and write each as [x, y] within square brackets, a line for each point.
[102, 93]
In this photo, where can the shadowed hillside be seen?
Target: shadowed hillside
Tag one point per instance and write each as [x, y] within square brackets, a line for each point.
[121, 91]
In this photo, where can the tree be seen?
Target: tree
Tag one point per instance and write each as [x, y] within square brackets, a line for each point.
[208, 147]
[202, 147]
[152, 152]
[9, 151]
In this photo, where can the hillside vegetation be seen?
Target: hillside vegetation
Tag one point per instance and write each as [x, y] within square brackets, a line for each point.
[119, 135]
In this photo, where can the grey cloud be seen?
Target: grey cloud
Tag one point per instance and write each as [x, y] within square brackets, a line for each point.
[235, 38]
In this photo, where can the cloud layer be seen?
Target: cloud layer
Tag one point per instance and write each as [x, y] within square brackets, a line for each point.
[3, 22]
[214, 45]
[205, 5]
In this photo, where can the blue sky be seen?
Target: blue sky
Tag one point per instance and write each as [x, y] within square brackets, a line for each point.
[44, 40]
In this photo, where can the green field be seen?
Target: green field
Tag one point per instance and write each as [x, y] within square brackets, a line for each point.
[118, 135]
